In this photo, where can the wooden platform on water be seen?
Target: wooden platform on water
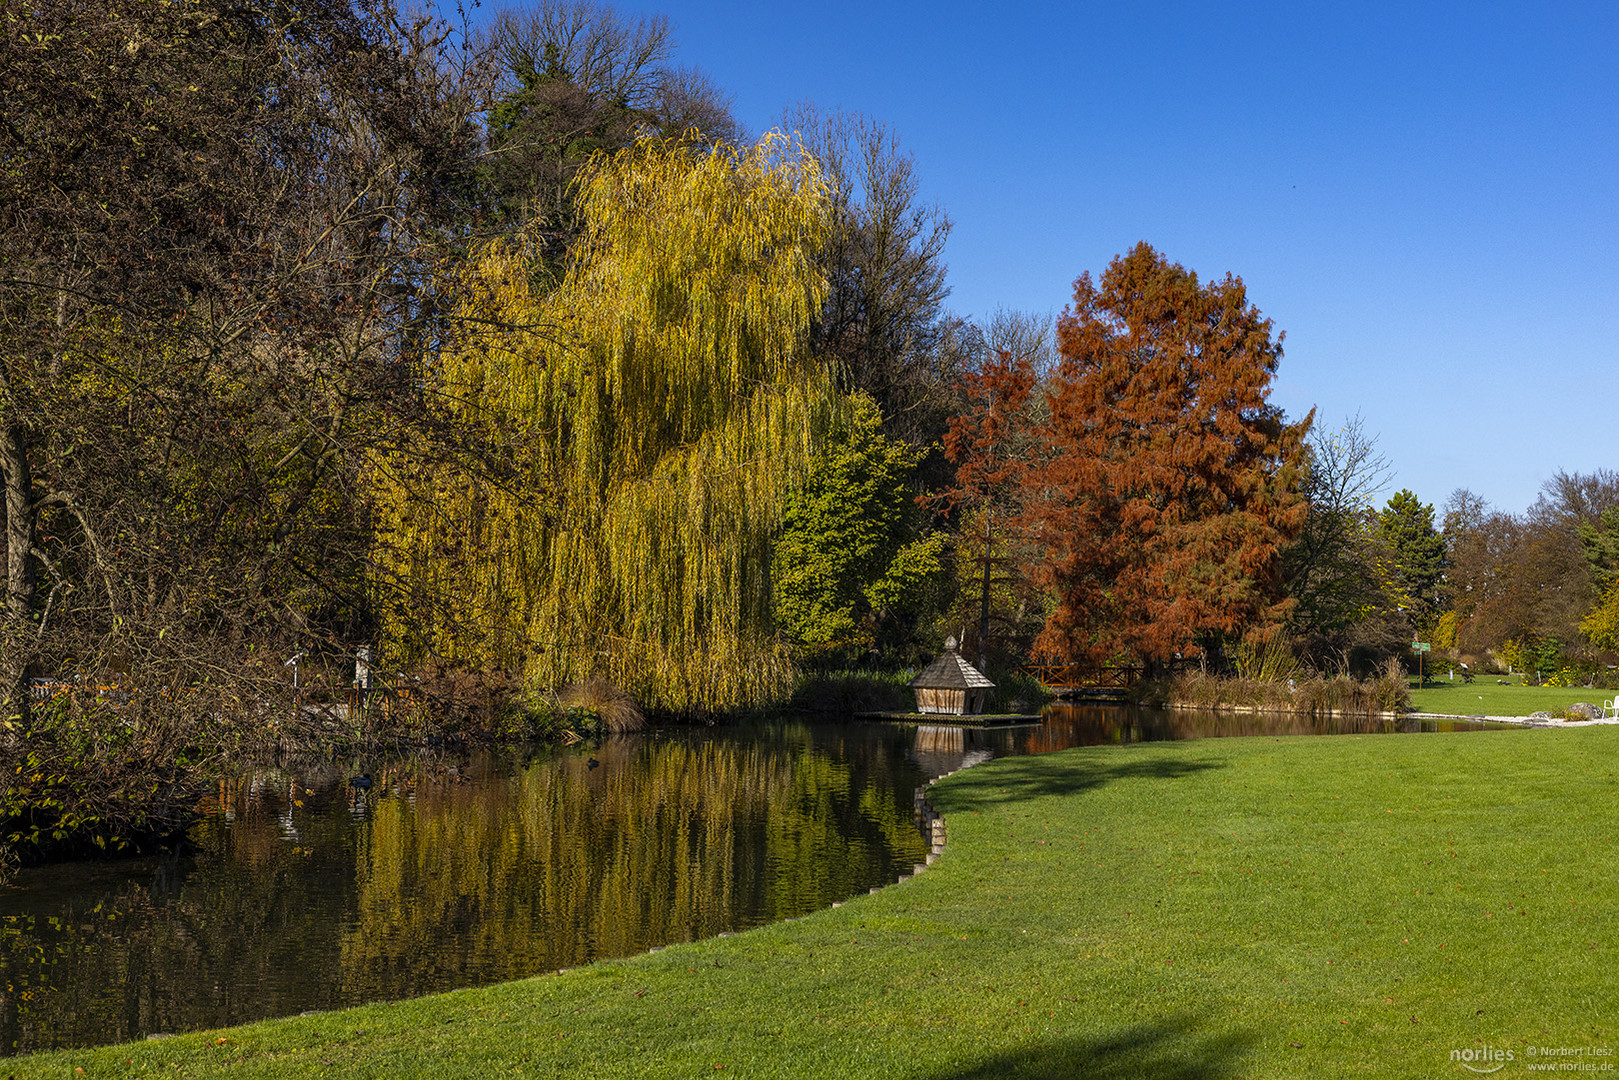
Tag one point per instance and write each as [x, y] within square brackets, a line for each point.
[979, 720]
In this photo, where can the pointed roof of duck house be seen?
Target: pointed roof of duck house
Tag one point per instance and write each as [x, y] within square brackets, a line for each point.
[950, 672]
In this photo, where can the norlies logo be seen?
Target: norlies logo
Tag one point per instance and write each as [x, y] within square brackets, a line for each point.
[1488, 1059]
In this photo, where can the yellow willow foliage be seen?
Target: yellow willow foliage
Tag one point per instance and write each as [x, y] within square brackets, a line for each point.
[657, 404]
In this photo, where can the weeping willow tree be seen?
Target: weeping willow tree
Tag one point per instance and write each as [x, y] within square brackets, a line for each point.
[637, 428]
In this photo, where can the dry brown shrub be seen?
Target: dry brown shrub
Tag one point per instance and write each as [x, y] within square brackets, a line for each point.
[617, 709]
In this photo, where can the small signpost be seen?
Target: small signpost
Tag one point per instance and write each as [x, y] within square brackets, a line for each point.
[1420, 647]
[362, 679]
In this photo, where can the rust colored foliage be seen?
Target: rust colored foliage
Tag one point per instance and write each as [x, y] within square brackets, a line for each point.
[1170, 485]
[988, 439]
[995, 440]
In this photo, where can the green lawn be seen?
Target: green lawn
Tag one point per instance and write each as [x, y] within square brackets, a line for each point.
[1223, 908]
[1485, 696]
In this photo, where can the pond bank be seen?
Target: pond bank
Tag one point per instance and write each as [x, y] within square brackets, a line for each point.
[296, 871]
[1119, 910]
[1518, 721]
[305, 890]
[1283, 710]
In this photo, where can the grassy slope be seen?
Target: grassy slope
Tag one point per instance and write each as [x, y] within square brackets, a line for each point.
[1486, 697]
[1333, 906]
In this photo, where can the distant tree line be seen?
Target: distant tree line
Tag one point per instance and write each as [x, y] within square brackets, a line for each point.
[1537, 590]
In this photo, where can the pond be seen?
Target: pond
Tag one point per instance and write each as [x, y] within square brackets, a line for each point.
[305, 893]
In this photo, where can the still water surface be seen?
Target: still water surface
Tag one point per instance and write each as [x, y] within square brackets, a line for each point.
[455, 871]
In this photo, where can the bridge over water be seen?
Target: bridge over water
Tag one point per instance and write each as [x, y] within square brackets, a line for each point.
[1085, 680]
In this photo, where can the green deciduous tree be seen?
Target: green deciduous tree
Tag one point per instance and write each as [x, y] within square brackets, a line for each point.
[639, 429]
[1172, 485]
[851, 569]
[1599, 540]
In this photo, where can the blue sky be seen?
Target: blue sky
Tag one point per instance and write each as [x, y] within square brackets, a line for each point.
[1421, 195]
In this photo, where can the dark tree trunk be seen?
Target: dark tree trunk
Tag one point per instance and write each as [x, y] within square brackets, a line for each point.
[19, 524]
[19, 531]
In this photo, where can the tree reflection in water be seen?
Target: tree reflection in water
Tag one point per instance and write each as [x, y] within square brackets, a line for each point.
[449, 872]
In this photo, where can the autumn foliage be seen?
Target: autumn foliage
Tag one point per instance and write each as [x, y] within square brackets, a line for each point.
[1169, 485]
[646, 420]
[994, 440]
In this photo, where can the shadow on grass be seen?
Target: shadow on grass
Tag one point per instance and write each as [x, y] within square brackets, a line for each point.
[1047, 776]
[1162, 1051]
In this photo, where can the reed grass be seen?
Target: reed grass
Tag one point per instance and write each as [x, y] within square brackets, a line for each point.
[616, 709]
[1272, 661]
[1306, 694]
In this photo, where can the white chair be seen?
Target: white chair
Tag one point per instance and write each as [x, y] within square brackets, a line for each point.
[1610, 709]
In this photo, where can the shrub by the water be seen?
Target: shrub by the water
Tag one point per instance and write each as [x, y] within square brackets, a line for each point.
[94, 778]
[1016, 692]
[1306, 694]
[111, 770]
[616, 709]
[844, 692]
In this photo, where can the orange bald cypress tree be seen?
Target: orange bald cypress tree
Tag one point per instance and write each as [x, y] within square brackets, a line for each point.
[1171, 484]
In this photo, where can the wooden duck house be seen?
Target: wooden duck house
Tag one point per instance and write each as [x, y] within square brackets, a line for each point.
[950, 686]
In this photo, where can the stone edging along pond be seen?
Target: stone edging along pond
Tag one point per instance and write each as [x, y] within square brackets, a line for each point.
[931, 822]
[1519, 721]
[928, 819]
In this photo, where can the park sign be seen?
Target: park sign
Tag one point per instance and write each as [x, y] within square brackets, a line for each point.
[1421, 647]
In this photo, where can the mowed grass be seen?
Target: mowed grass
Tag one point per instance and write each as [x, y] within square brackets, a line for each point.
[1323, 906]
[1485, 696]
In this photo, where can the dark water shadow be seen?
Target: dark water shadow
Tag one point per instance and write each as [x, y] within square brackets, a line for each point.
[1043, 777]
[1161, 1051]
[1090, 724]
